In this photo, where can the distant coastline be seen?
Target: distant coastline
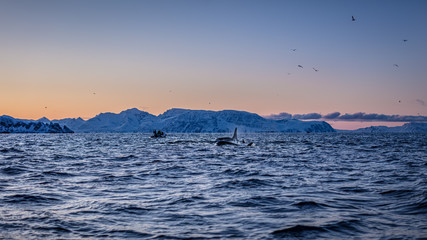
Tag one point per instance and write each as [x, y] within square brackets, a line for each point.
[184, 121]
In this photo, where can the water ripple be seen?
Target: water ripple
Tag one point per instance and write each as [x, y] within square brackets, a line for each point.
[292, 186]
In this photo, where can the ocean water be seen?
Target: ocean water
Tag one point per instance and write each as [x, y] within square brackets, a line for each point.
[287, 186]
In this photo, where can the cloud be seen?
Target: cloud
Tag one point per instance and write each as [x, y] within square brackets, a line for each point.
[360, 116]
[307, 116]
[380, 117]
[368, 117]
[279, 116]
[421, 102]
[287, 116]
[332, 115]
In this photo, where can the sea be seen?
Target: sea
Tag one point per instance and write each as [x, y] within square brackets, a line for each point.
[284, 186]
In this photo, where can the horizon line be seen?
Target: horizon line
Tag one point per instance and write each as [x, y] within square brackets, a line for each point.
[331, 117]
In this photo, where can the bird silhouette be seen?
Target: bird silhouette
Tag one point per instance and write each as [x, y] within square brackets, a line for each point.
[405, 40]
[300, 66]
[353, 19]
[316, 69]
[293, 49]
[395, 65]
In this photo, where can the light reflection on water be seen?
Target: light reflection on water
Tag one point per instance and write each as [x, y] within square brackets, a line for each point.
[330, 185]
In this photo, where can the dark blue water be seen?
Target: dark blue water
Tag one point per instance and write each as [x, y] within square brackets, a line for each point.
[287, 186]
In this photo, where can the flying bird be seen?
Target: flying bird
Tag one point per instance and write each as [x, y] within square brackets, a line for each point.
[293, 49]
[316, 69]
[395, 65]
[405, 40]
[353, 19]
[300, 66]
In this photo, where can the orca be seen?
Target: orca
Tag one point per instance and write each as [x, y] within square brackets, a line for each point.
[231, 141]
[221, 143]
[228, 139]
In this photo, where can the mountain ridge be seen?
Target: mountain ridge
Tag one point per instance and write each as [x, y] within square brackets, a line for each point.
[189, 121]
[11, 125]
[412, 127]
[182, 120]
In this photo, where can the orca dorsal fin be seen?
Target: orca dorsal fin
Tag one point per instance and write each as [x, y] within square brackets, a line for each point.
[235, 134]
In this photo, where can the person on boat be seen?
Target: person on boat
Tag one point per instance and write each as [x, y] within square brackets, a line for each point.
[158, 134]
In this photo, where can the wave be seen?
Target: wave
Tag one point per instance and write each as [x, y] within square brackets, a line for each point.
[183, 188]
[298, 231]
[13, 170]
[126, 157]
[30, 198]
[350, 227]
[58, 174]
[397, 193]
[54, 229]
[126, 233]
[252, 182]
[11, 150]
[308, 205]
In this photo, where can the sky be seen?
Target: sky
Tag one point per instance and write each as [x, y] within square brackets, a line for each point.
[79, 58]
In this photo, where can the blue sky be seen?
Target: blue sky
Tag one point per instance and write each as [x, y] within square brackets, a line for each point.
[79, 58]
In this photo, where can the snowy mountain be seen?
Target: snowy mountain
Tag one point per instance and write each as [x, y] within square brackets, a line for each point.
[414, 127]
[190, 121]
[12, 125]
[72, 123]
[184, 121]
[131, 120]
[405, 128]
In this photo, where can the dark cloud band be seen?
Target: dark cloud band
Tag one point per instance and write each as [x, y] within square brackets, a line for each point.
[360, 116]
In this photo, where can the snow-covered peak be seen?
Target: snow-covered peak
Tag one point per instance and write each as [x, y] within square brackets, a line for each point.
[189, 121]
[12, 125]
[174, 112]
[44, 120]
[133, 111]
[131, 120]
[6, 117]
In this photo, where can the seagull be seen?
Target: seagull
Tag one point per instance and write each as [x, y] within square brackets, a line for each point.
[405, 40]
[300, 66]
[353, 19]
[316, 69]
[293, 49]
[395, 65]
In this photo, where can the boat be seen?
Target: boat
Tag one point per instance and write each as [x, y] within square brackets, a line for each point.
[158, 134]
